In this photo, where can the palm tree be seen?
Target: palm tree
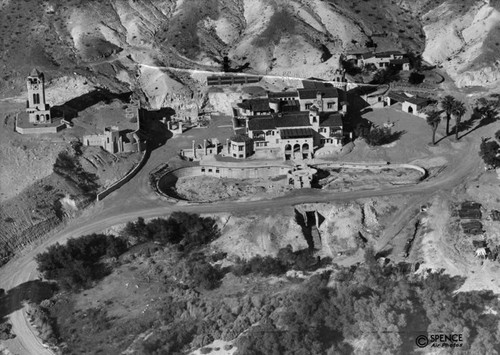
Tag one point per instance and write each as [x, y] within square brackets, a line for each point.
[433, 120]
[459, 112]
[448, 103]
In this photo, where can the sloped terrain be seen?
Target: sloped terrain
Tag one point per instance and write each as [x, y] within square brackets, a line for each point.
[104, 41]
[463, 38]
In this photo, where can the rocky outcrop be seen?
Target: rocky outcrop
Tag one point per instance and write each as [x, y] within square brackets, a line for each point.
[464, 42]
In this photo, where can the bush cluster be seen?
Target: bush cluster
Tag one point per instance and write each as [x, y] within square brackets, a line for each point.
[286, 259]
[186, 229]
[380, 309]
[77, 263]
[69, 168]
[381, 135]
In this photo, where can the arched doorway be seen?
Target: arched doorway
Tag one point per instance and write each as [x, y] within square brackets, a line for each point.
[410, 109]
[305, 151]
[296, 151]
[288, 152]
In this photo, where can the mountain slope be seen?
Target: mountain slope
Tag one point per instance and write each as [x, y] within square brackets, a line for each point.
[104, 40]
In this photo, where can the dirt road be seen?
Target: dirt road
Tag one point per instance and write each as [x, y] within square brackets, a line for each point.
[136, 199]
[100, 217]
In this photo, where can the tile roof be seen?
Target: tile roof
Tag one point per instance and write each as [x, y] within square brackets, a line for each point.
[315, 83]
[292, 133]
[288, 119]
[261, 123]
[398, 96]
[35, 73]
[255, 105]
[293, 119]
[241, 138]
[388, 54]
[400, 61]
[401, 97]
[278, 95]
[332, 120]
[290, 106]
[327, 93]
[417, 100]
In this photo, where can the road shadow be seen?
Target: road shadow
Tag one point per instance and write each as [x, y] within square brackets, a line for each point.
[32, 291]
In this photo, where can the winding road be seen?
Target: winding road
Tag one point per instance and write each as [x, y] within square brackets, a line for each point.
[136, 199]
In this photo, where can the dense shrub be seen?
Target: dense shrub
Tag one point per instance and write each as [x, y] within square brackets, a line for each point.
[381, 135]
[380, 307]
[488, 150]
[188, 230]
[69, 167]
[416, 78]
[77, 263]
[286, 259]
[386, 76]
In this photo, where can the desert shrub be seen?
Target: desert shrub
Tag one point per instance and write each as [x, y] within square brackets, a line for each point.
[286, 259]
[488, 150]
[381, 135]
[69, 167]
[263, 265]
[350, 68]
[416, 78]
[77, 263]
[203, 274]
[386, 76]
[188, 230]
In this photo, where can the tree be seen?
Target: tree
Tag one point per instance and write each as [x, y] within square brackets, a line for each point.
[497, 135]
[488, 150]
[458, 111]
[433, 120]
[416, 78]
[415, 61]
[385, 76]
[448, 103]
[381, 135]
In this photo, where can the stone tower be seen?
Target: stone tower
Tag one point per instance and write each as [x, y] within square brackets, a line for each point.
[37, 108]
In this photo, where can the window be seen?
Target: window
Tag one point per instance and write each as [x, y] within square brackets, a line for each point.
[202, 170]
[240, 148]
[241, 155]
[209, 170]
[330, 105]
[217, 171]
[268, 133]
[308, 106]
[322, 130]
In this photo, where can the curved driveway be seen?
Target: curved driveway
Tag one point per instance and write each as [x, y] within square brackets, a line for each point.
[135, 199]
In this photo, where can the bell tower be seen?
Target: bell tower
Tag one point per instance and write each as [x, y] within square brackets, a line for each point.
[38, 110]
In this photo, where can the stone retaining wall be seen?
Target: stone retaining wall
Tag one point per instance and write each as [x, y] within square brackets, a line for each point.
[145, 156]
